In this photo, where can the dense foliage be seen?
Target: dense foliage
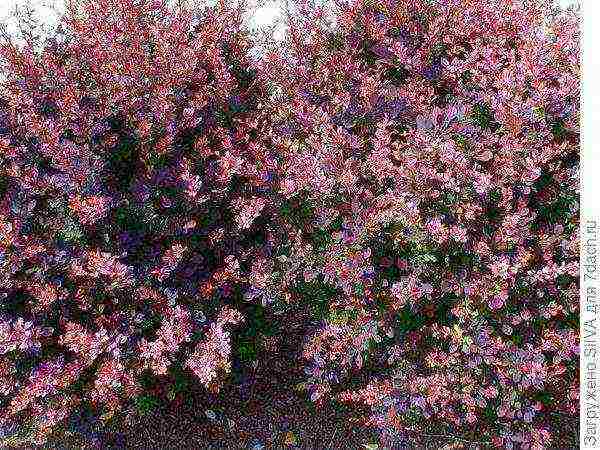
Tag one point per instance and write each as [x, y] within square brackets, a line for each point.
[407, 171]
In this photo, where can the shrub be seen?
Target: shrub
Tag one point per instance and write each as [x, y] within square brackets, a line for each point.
[133, 165]
[405, 173]
[443, 136]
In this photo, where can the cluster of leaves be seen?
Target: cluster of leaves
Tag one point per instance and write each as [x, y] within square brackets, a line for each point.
[407, 174]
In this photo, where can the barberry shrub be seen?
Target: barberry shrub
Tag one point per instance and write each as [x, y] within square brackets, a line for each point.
[404, 173]
[437, 146]
[132, 169]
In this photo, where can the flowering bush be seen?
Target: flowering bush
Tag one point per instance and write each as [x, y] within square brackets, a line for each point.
[407, 172]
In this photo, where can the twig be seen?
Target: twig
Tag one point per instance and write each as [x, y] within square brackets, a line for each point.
[332, 438]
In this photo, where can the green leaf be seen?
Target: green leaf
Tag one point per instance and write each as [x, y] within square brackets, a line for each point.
[146, 403]
[483, 116]
[371, 446]
[247, 351]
